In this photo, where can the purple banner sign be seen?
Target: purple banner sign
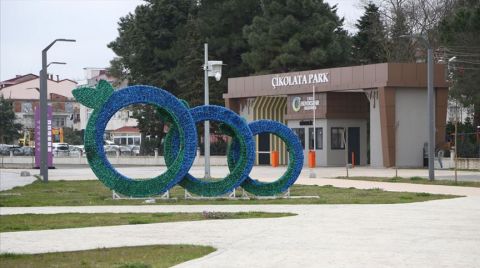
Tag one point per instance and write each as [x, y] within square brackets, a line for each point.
[37, 137]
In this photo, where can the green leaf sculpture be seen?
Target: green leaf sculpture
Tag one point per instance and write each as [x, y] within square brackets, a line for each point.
[93, 97]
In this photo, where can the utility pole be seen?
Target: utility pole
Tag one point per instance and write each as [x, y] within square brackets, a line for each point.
[314, 106]
[44, 111]
[430, 103]
[212, 69]
[206, 141]
[431, 113]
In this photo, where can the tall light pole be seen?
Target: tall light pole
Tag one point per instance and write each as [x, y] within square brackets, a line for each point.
[430, 103]
[452, 59]
[43, 111]
[212, 69]
[314, 106]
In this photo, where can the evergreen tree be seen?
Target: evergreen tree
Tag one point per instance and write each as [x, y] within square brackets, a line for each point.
[370, 41]
[9, 130]
[161, 44]
[221, 23]
[188, 72]
[72, 136]
[460, 33]
[148, 53]
[147, 39]
[293, 35]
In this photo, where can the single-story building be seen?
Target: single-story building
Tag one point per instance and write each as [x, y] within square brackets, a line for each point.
[375, 114]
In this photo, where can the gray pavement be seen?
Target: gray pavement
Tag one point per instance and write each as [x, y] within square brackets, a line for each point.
[11, 178]
[442, 233]
[258, 172]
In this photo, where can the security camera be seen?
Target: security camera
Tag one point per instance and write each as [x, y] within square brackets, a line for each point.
[218, 76]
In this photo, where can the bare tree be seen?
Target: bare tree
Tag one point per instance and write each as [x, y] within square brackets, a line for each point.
[405, 17]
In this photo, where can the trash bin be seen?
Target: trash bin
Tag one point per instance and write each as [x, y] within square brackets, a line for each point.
[274, 158]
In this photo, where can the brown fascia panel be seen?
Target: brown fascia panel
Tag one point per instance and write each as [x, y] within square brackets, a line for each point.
[343, 78]
[386, 97]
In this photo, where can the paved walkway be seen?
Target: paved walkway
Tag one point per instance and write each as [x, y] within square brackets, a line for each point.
[441, 233]
[258, 172]
[12, 178]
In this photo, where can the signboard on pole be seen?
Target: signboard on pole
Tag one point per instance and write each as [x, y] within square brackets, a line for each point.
[49, 137]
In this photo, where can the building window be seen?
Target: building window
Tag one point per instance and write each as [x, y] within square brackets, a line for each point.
[27, 107]
[337, 138]
[58, 121]
[69, 107]
[318, 138]
[301, 135]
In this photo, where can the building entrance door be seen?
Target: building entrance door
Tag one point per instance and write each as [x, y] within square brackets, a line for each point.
[264, 149]
[354, 144]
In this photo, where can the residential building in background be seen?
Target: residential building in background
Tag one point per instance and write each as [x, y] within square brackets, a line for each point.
[122, 119]
[23, 90]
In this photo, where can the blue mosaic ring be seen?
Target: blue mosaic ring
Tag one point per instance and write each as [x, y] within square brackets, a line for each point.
[246, 152]
[106, 103]
[295, 163]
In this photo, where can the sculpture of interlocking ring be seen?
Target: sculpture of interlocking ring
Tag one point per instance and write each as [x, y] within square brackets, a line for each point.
[106, 102]
[246, 154]
[181, 143]
[295, 162]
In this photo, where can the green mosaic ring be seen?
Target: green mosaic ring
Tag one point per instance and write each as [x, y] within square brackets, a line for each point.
[106, 102]
[295, 163]
[239, 172]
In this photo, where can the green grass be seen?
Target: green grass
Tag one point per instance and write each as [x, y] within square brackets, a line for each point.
[417, 180]
[30, 222]
[125, 257]
[93, 193]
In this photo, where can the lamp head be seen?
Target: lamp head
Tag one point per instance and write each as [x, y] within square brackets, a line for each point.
[218, 76]
[215, 69]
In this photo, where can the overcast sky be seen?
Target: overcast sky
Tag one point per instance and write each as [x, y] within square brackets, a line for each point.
[27, 26]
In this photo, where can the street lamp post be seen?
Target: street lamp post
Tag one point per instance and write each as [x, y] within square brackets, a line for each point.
[43, 111]
[212, 69]
[430, 104]
[451, 60]
[314, 107]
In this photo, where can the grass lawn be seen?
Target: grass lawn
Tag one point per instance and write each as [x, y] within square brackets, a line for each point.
[91, 193]
[125, 257]
[30, 222]
[417, 180]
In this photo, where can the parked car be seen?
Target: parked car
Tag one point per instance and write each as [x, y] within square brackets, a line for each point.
[26, 150]
[125, 150]
[111, 149]
[5, 149]
[17, 150]
[135, 150]
[60, 149]
[108, 142]
[75, 150]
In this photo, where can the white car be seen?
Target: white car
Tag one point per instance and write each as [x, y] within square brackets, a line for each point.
[60, 149]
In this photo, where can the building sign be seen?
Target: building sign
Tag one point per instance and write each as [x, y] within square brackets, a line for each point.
[302, 79]
[49, 137]
[306, 123]
[308, 104]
